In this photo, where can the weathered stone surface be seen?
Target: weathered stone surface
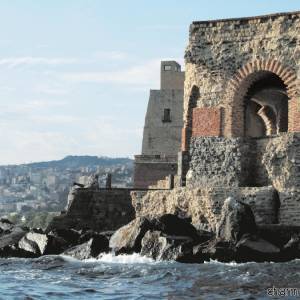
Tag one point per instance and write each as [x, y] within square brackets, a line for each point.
[217, 161]
[41, 244]
[291, 249]
[217, 250]
[236, 220]
[203, 205]
[5, 226]
[90, 249]
[278, 234]
[128, 238]
[220, 50]
[289, 212]
[69, 236]
[161, 247]
[9, 242]
[251, 248]
[98, 210]
[162, 129]
[173, 225]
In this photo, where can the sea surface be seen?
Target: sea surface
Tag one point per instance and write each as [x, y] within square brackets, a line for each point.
[136, 277]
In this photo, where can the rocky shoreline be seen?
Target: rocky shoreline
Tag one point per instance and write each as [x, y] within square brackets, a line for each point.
[168, 237]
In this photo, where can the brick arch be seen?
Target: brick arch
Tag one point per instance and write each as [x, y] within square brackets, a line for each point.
[194, 95]
[241, 82]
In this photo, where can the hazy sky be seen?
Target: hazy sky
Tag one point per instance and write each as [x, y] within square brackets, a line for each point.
[75, 74]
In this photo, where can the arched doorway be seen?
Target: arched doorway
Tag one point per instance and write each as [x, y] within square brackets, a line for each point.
[266, 106]
[259, 100]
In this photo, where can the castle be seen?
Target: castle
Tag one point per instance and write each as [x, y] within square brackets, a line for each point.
[227, 127]
[241, 118]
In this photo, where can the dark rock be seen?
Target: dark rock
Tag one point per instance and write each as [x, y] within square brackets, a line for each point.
[9, 243]
[220, 250]
[5, 226]
[90, 249]
[161, 247]
[128, 238]
[254, 248]
[70, 236]
[278, 234]
[108, 233]
[236, 219]
[291, 249]
[173, 225]
[38, 230]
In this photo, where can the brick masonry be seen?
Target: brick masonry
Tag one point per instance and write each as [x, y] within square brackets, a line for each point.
[206, 122]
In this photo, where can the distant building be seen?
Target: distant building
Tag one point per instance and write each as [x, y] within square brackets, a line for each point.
[162, 130]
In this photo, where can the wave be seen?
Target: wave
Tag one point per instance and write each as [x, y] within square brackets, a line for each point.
[134, 258]
[232, 263]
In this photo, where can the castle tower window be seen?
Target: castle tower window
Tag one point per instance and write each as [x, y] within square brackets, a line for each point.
[167, 115]
[167, 68]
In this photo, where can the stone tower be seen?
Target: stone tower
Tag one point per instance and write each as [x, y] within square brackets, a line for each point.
[162, 129]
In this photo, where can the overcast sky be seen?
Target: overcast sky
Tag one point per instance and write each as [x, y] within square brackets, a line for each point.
[75, 75]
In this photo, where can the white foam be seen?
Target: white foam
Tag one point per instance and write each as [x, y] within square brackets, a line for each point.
[124, 259]
[232, 263]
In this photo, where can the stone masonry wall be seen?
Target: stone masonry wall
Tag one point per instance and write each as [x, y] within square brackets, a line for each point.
[224, 56]
[163, 137]
[149, 169]
[204, 205]
[99, 210]
[289, 213]
[216, 161]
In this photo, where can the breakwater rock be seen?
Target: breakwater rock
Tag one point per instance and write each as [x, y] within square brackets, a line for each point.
[237, 237]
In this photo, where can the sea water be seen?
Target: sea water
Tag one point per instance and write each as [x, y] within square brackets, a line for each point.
[135, 277]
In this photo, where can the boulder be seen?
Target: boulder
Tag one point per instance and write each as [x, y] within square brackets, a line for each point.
[5, 226]
[90, 249]
[9, 243]
[215, 249]
[254, 248]
[70, 236]
[291, 250]
[128, 238]
[236, 219]
[163, 247]
[173, 225]
[41, 244]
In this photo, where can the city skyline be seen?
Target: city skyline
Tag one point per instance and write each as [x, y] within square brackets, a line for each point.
[75, 76]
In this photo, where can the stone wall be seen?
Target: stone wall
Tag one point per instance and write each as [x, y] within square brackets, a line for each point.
[281, 160]
[216, 161]
[99, 210]
[148, 169]
[289, 213]
[225, 57]
[204, 205]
